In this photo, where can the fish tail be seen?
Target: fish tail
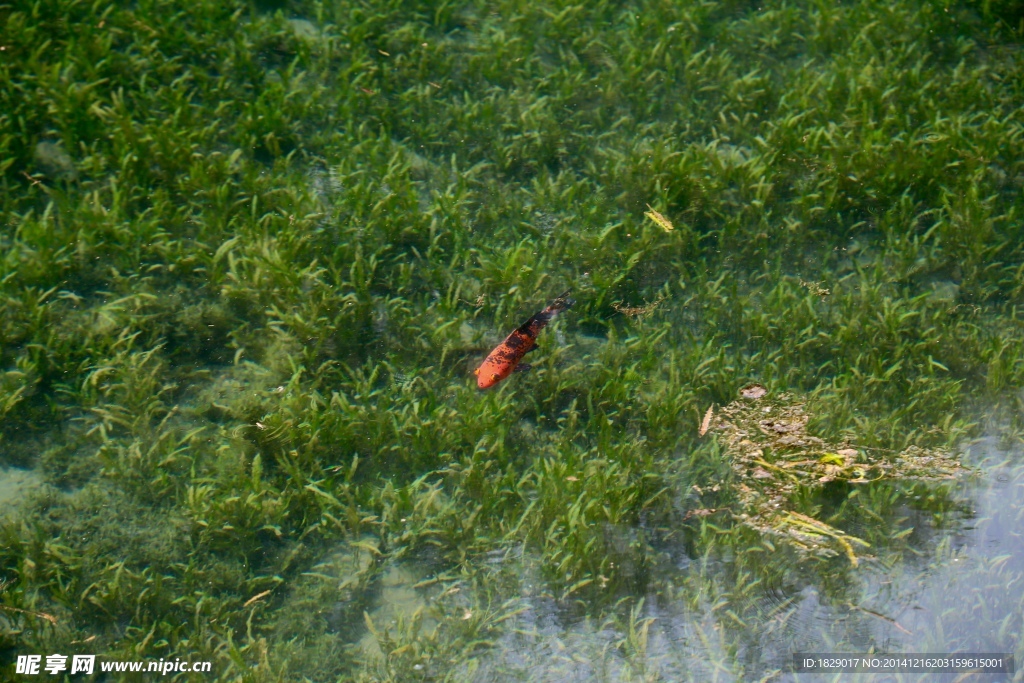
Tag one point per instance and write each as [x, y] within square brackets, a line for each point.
[560, 303]
[532, 327]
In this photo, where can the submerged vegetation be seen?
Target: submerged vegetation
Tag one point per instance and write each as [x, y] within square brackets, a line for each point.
[251, 252]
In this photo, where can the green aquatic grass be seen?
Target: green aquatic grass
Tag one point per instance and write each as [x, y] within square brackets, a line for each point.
[251, 253]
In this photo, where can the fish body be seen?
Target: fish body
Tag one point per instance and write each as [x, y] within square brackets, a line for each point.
[502, 361]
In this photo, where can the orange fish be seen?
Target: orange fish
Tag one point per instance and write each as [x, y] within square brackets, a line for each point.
[504, 359]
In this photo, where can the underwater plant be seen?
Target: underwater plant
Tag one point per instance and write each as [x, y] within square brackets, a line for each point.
[251, 252]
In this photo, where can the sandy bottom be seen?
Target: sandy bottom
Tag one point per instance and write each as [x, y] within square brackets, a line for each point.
[15, 484]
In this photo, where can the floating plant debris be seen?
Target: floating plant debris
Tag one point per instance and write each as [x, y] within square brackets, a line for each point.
[41, 615]
[638, 311]
[662, 222]
[815, 288]
[256, 598]
[706, 422]
[773, 457]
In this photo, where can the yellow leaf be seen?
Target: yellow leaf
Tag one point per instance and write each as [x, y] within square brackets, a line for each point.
[833, 459]
[664, 223]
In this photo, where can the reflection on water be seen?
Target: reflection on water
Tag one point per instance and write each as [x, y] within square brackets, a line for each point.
[960, 590]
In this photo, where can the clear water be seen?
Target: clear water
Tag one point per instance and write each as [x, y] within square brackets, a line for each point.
[957, 592]
[251, 254]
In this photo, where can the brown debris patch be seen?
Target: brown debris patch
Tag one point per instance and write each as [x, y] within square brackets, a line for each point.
[638, 311]
[753, 391]
[772, 456]
[706, 422]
